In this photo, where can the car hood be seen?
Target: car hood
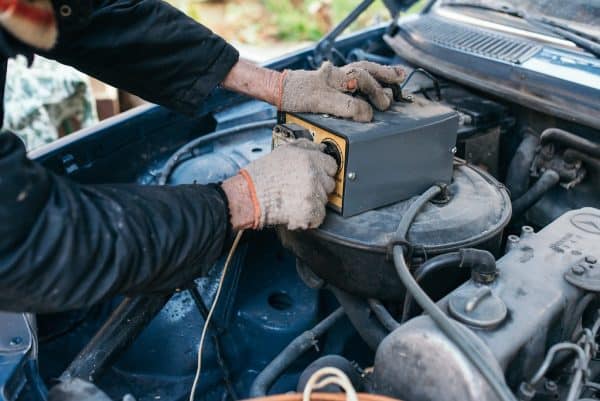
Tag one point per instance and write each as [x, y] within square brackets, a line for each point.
[395, 6]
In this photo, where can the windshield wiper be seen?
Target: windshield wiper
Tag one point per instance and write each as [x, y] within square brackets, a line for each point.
[570, 29]
[504, 9]
[585, 41]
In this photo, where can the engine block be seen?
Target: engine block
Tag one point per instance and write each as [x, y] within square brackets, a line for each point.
[514, 320]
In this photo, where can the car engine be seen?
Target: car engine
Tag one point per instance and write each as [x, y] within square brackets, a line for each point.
[523, 299]
[459, 259]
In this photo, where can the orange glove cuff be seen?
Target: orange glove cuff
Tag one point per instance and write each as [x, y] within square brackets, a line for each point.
[280, 89]
[255, 203]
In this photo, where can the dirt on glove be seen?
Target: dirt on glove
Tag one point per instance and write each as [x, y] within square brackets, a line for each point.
[328, 89]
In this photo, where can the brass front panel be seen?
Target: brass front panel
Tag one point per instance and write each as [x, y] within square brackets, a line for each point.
[336, 199]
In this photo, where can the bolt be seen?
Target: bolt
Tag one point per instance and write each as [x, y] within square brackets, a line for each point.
[352, 176]
[590, 259]
[578, 270]
[550, 386]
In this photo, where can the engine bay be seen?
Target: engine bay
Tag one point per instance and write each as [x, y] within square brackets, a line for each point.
[507, 249]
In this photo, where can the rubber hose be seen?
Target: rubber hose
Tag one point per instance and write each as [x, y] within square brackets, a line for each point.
[547, 181]
[431, 266]
[576, 315]
[360, 55]
[265, 379]
[174, 160]
[571, 141]
[414, 209]
[517, 176]
[384, 316]
[447, 326]
[335, 361]
[360, 315]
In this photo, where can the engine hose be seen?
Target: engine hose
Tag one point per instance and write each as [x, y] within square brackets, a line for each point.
[360, 315]
[175, 158]
[336, 361]
[384, 316]
[576, 315]
[431, 266]
[571, 141]
[517, 176]
[447, 326]
[265, 379]
[361, 55]
[414, 209]
[547, 181]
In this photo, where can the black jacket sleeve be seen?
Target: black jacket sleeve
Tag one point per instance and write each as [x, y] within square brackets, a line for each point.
[66, 246]
[146, 47]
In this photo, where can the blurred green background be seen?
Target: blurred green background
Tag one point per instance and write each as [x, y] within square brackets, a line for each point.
[260, 22]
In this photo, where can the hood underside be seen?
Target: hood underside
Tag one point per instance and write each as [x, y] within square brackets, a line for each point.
[395, 6]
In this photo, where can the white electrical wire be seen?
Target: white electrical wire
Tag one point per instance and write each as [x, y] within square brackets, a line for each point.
[210, 313]
[326, 376]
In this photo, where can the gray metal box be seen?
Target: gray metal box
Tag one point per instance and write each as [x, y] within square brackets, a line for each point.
[400, 154]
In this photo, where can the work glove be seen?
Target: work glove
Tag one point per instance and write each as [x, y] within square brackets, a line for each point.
[290, 185]
[326, 90]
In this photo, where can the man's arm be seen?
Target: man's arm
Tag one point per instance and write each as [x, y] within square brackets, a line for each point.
[255, 81]
[146, 47]
[65, 246]
[156, 52]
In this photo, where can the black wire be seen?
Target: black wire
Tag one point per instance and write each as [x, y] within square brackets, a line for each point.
[432, 265]
[299, 345]
[436, 83]
[193, 290]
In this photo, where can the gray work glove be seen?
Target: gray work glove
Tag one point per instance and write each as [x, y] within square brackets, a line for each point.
[290, 185]
[325, 90]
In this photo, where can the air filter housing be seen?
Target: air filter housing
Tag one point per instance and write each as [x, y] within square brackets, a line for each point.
[351, 253]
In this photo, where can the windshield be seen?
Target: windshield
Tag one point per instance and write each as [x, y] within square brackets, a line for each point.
[579, 12]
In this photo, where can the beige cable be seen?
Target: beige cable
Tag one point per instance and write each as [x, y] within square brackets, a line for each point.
[236, 241]
[326, 376]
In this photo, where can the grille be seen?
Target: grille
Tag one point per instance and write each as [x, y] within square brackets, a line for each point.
[472, 40]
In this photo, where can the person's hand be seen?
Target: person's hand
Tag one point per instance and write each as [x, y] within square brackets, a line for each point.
[326, 90]
[290, 187]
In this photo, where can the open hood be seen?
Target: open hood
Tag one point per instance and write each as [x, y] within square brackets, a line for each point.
[395, 6]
